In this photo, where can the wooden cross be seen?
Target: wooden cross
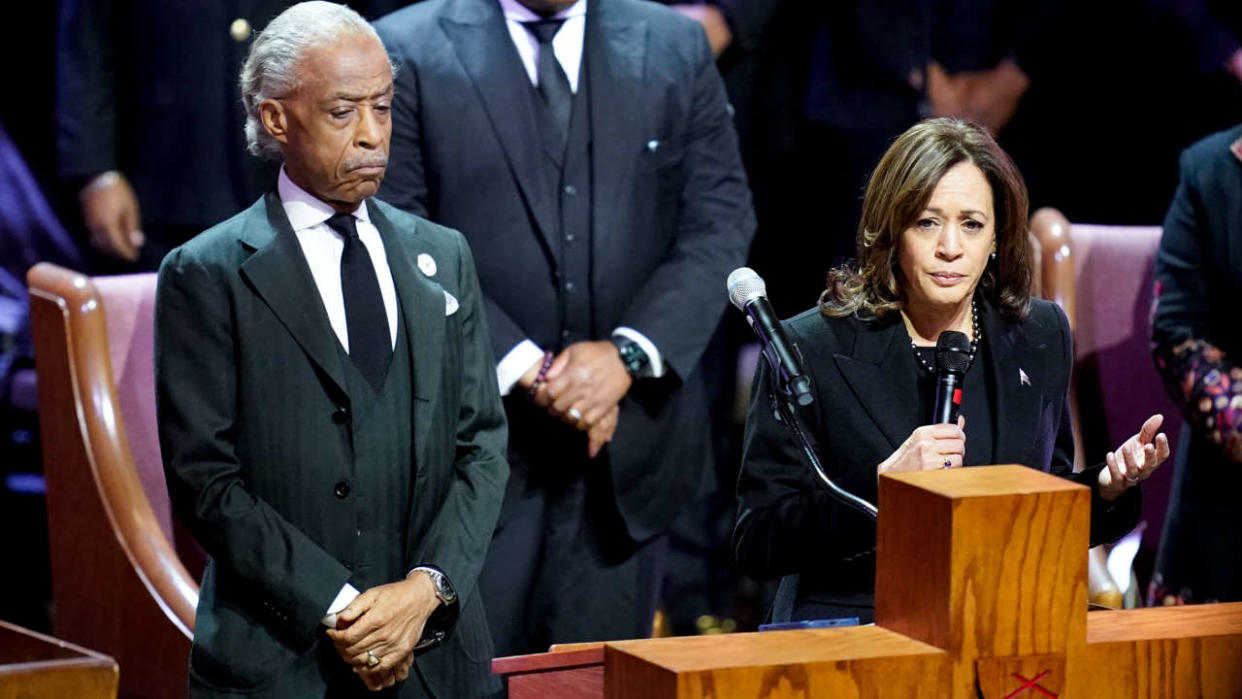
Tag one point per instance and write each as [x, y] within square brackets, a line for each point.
[981, 590]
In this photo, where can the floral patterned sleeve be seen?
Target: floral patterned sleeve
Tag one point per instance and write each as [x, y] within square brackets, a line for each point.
[1209, 388]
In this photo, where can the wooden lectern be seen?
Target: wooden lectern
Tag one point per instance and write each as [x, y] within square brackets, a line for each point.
[981, 590]
[34, 665]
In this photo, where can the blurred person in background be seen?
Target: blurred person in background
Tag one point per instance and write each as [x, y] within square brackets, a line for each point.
[148, 124]
[1197, 344]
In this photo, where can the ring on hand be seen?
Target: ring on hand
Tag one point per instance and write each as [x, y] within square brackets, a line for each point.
[1131, 479]
[372, 659]
[575, 413]
[948, 463]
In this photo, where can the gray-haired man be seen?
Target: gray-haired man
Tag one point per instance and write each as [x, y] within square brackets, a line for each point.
[328, 411]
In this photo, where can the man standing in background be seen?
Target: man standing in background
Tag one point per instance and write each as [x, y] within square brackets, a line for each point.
[586, 150]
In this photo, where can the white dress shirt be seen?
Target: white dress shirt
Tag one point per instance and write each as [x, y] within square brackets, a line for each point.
[567, 45]
[322, 247]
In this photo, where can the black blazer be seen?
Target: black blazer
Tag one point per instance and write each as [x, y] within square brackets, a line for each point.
[671, 209]
[865, 407]
[251, 392]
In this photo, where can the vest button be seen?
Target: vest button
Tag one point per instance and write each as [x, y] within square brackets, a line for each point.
[342, 489]
[341, 415]
[570, 190]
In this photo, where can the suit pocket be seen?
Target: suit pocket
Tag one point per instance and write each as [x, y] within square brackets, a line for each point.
[233, 651]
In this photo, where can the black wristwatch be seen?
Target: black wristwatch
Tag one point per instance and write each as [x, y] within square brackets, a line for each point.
[636, 361]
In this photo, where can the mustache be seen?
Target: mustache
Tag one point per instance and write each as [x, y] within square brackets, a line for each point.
[376, 160]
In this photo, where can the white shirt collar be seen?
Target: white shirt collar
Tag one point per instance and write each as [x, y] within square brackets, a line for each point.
[517, 12]
[305, 210]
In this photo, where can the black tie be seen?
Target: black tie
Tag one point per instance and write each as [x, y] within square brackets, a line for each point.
[370, 345]
[553, 85]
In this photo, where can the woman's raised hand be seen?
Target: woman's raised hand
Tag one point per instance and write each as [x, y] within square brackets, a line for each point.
[1135, 460]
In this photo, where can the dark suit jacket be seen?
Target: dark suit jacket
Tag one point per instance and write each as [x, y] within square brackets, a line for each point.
[1198, 276]
[251, 395]
[671, 210]
[865, 407]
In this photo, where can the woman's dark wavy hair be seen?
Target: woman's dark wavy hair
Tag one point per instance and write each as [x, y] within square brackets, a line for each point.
[896, 196]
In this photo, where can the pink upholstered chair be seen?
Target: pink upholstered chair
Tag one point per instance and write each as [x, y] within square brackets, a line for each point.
[124, 575]
[1102, 277]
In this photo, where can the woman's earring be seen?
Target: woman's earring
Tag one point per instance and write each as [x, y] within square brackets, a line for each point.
[992, 256]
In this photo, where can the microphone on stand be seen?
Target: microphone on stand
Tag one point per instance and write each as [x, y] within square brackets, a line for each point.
[749, 293]
[952, 360]
[789, 382]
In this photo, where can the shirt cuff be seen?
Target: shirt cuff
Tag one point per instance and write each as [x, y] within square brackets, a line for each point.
[648, 347]
[516, 363]
[343, 598]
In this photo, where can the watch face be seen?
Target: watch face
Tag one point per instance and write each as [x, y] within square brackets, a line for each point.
[443, 591]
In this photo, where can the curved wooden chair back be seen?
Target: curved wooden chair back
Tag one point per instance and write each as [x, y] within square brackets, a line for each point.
[1102, 277]
[124, 575]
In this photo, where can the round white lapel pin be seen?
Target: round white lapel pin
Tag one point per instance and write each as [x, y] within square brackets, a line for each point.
[426, 264]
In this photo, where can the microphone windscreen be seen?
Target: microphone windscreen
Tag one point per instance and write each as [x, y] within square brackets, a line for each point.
[952, 352]
[745, 286]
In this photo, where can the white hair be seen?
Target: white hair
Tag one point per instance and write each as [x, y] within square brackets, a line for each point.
[270, 70]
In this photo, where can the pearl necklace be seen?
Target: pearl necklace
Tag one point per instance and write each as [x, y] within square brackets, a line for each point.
[974, 342]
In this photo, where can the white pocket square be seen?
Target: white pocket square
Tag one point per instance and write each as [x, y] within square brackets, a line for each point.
[450, 304]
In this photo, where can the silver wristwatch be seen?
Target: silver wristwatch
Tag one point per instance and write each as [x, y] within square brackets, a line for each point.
[444, 589]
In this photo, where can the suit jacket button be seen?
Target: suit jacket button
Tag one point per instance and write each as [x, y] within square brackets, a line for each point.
[239, 29]
[341, 415]
[342, 490]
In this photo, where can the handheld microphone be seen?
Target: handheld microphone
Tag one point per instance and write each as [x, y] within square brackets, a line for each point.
[952, 360]
[749, 293]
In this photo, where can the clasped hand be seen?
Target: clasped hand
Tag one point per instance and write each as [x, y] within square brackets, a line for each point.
[583, 387]
[387, 622]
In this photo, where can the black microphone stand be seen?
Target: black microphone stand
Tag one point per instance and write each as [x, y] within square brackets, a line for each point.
[786, 412]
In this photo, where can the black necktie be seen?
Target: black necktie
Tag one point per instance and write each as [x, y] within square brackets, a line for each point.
[553, 85]
[370, 345]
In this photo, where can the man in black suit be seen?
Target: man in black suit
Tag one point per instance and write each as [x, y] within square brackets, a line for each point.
[328, 414]
[588, 154]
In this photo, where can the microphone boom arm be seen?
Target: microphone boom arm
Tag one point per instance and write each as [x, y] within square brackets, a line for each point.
[786, 412]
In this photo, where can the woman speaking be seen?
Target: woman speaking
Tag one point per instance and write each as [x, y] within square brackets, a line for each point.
[942, 246]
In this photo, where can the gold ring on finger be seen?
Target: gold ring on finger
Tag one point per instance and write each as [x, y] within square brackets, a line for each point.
[372, 659]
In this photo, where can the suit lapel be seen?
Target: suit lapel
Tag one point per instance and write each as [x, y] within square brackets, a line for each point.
[882, 376]
[1010, 357]
[481, 40]
[422, 310]
[279, 274]
[615, 53]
